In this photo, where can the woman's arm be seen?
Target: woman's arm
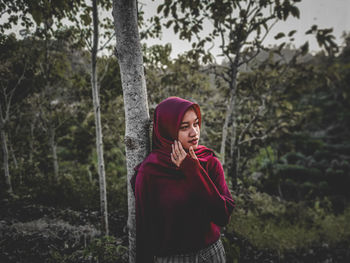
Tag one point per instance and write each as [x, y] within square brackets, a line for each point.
[215, 193]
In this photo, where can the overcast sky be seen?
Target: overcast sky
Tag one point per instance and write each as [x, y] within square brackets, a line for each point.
[324, 13]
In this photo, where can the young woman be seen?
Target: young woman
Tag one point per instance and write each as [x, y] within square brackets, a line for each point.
[182, 198]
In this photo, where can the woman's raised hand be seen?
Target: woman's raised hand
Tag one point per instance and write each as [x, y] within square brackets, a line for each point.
[178, 154]
[192, 153]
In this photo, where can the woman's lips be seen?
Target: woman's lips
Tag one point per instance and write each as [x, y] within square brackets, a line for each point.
[193, 141]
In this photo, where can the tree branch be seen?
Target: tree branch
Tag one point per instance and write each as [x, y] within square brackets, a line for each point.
[223, 44]
[263, 137]
[7, 116]
[104, 71]
[106, 43]
[247, 60]
[246, 128]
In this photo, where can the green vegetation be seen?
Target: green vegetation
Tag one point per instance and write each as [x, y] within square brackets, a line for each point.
[273, 224]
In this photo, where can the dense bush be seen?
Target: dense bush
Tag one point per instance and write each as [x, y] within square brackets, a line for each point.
[105, 249]
[33, 241]
[278, 229]
[36, 233]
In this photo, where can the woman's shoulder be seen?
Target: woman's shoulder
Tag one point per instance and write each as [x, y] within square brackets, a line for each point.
[153, 163]
[214, 163]
[151, 160]
[207, 154]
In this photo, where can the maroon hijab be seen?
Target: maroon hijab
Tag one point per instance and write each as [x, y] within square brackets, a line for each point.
[167, 119]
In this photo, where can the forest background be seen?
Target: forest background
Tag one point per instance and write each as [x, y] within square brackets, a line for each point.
[278, 118]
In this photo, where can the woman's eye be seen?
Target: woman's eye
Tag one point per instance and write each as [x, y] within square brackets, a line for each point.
[196, 124]
[183, 127]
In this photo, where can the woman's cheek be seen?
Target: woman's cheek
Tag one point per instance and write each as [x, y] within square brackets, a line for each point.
[181, 138]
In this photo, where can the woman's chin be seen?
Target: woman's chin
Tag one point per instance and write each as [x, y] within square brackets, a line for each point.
[194, 146]
[188, 145]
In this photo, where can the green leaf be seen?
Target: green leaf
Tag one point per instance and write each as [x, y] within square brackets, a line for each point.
[279, 35]
[288, 105]
[305, 48]
[159, 9]
[86, 18]
[278, 112]
[311, 30]
[168, 24]
[281, 47]
[243, 13]
[295, 11]
[37, 16]
[291, 33]
[176, 28]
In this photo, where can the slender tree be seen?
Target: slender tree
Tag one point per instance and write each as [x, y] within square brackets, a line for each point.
[97, 112]
[240, 27]
[129, 54]
[12, 74]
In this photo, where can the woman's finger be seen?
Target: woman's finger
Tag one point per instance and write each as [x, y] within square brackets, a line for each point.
[172, 158]
[192, 153]
[183, 152]
[174, 151]
[175, 160]
[176, 148]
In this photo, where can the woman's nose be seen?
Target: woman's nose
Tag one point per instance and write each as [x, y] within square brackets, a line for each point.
[193, 131]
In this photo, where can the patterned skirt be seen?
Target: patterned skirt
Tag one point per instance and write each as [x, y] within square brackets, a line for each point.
[215, 253]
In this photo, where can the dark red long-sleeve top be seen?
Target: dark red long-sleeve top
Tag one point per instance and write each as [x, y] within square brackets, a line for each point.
[182, 210]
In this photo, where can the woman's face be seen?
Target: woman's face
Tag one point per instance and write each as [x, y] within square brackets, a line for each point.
[189, 130]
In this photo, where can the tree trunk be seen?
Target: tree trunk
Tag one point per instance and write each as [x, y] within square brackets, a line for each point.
[97, 112]
[229, 118]
[31, 142]
[53, 146]
[6, 162]
[129, 54]
[13, 154]
[89, 174]
[234, 151]
[224, 133]
[15, 162]
[234, 165]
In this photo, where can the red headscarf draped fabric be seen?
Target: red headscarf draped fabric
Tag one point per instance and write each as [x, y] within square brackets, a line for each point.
[167, 119]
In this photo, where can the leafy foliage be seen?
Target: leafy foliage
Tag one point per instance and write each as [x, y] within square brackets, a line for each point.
[280, 230]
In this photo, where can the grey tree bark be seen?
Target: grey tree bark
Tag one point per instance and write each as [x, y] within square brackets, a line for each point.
[6, 162]
[5, 112]
[13, 155]
[230, 118]
[31, 141]
[53, 146]
[97, 113]
[137, 142]
[224, 134]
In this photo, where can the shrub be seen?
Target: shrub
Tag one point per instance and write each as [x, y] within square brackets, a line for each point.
[272, 224]
[32, 241]
[105, 249]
